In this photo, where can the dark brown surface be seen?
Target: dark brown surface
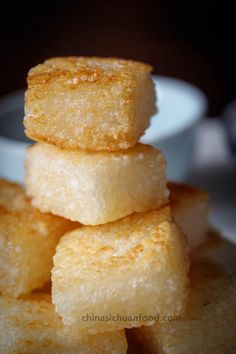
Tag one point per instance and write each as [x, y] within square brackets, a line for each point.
[189, 40]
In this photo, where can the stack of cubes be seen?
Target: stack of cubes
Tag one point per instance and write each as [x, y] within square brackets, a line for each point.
[129, 263]
[100, 203]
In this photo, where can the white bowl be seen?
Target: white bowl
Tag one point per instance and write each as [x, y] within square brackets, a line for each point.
[13, 142]
[180, 106]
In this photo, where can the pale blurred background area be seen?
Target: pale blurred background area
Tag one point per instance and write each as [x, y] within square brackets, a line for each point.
[192, 41]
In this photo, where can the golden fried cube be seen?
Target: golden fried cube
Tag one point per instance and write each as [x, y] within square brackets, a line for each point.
[32, 326]
[95, 187]
[89, 103]
[28, 240]
[209, 324]
[121, 274]
[217, 249]
[190, 208]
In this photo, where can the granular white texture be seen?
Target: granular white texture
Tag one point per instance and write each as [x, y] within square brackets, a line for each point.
[95, 187]
[136, 265]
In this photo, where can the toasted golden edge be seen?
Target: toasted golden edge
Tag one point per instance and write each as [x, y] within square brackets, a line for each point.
[134, 221]
[180, 191]
[85, 70]
[49, 71]
[16, 205]
[123, 142]
[38, 304]
[4, 183]
[127, 224]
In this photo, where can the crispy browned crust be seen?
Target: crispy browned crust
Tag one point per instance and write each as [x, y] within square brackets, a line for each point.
[109, 144]
[180, 191]
[87, 70]
[26, 234]
[31, 325]
[89, 103]
[116, 255]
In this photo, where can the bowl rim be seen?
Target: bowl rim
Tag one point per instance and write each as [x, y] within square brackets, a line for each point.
[8, 103]
[195, 92]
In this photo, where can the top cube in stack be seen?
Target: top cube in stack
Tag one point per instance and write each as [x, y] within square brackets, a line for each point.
[92, 111]
[89, 103]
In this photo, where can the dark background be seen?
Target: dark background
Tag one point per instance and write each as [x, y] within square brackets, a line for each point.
[191, 40]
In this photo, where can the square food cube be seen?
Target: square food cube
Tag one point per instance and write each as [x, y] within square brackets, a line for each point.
[209, 322]
[30, 325]
[89, 103]
[122, 274]
[95, 187]
[28, 240]
[190, 208]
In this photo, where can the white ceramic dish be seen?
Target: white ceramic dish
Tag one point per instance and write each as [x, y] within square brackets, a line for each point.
[180, 107]
[13, 143]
